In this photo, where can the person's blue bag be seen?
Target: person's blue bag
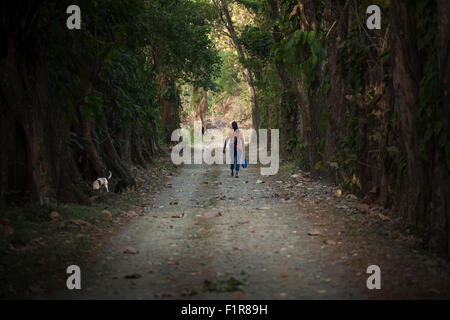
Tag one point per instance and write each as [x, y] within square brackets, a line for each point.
[244, 163]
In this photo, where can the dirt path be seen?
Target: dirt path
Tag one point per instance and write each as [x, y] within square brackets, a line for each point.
[229, 228]
[208, 235]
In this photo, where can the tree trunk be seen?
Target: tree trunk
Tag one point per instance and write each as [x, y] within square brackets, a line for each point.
[410, 198]
[440, 239]
[136, 152]
[24, 86]
[288, 97]
[112, 159]
[200, 103]
[336, 95]
[14, 182]
[170, 117]
[125, 144]
[228, 22]
[303, 106]
[91, 166]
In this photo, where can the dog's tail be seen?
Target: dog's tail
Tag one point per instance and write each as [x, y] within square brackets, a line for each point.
[110, 174]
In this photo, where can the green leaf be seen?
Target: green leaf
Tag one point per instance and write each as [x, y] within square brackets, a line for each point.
[311, 37]
[333, 165]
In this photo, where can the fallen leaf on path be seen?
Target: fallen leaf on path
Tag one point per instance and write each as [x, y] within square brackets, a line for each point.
[314, 233]
[211, 214]
[284, 276]
[179, 216]
[131, 214]
[332, 242]
[146, 204]
[130, 250]
[108, 215]
[204, 182]
[133, 275]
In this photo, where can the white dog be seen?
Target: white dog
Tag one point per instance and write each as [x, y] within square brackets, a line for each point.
[102, 182]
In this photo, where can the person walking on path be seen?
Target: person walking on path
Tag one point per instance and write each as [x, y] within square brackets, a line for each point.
[236, 142]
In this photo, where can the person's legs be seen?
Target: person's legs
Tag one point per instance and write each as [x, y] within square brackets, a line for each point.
[232, 156]
[237, 161]
[233, 160]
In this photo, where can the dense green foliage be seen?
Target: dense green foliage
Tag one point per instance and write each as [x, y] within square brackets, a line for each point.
[111, 89]
[345, 105]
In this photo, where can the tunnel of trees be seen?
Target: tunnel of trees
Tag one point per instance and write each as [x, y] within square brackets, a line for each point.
[368, 109]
